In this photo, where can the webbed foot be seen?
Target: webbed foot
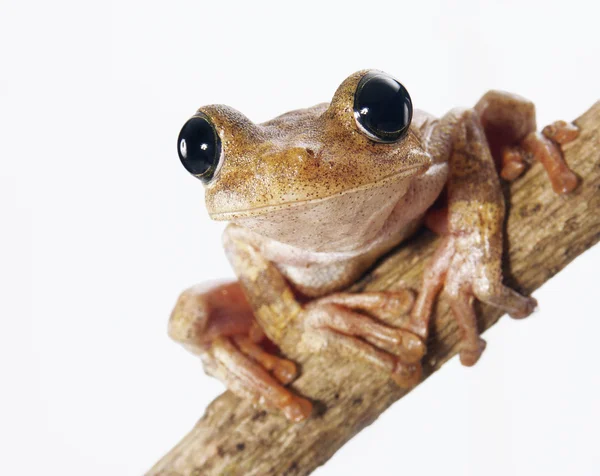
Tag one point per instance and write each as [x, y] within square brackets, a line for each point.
[354, 324]
[465, 272]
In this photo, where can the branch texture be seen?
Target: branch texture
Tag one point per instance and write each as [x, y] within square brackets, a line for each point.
[545, 232]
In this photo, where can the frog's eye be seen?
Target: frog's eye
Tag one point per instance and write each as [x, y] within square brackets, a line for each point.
[382, 107]
[199, 147]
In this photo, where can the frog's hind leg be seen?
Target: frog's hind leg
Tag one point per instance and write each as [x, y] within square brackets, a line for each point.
[352, 324]
[510, 127]
[217, 323]
[468, 262]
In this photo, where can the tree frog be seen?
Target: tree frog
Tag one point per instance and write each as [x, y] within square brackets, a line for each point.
[315, 196]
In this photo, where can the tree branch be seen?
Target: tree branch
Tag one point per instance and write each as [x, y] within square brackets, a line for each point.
[545, 233]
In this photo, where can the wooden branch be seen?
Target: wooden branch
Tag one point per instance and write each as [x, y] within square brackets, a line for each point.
[545, 233]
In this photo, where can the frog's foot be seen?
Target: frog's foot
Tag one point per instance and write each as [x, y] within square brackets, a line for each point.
[466, 273]
[244, 368]
[216, 322]
[561, 132]
[544, 147]
[510, 125]
[351, 324]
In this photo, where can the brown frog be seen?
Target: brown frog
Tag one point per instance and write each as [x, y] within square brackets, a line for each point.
[316, 195]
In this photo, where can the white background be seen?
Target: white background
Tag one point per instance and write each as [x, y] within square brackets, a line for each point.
[101, 227]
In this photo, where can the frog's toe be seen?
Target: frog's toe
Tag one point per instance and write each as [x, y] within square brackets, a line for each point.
[407, 375]
[545, 148]
[513, 163]
[297, 410]
[561, 132]
[525, 307]
[282, 369]
[250, 374]
[505, 298]
[285, 371]
[548, 153]
[470, 353]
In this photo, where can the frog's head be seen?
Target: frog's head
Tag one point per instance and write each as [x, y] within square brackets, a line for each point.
[322, 177]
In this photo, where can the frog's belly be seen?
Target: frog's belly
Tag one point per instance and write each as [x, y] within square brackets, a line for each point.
[321, 278]
[316, 274]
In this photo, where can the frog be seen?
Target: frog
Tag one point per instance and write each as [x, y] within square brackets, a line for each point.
[316, 196]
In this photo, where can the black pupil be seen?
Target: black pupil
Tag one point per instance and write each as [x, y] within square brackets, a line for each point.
[198, 147]
[383, 107]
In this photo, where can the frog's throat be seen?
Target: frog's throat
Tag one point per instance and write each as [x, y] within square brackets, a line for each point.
[412, 171]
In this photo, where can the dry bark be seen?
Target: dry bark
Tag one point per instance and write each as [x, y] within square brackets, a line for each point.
[545, 232]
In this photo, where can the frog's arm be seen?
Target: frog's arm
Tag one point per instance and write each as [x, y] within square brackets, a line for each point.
[271, 298]
[354, 324]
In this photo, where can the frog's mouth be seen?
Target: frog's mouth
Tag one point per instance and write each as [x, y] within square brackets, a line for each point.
[318, 202]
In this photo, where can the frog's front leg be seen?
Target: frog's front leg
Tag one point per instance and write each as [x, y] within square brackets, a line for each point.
[357, 324]
[216, 322]
[365, 325]
[468, 263]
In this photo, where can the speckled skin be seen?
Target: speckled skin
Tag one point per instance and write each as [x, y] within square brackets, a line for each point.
[314, 202]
